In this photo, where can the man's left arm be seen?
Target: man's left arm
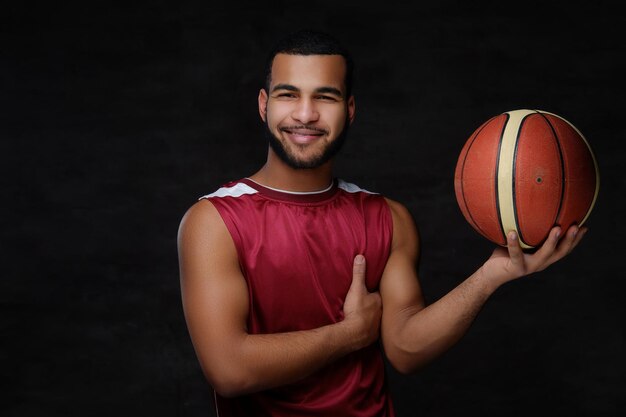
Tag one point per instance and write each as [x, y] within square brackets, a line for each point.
[412, 333]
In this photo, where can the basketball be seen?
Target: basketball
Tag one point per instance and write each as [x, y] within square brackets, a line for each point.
[526, 171]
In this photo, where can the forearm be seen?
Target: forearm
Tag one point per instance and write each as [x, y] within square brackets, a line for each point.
[422, 335]
[256, 362]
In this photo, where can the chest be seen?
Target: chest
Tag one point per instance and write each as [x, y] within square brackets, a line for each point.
[297, 261]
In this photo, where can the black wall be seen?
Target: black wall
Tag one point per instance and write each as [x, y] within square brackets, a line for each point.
[115, 119]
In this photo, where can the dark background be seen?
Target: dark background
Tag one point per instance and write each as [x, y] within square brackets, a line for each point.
[115, 119]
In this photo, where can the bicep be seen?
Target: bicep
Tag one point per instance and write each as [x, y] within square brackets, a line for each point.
[214, 292]
[400, 288]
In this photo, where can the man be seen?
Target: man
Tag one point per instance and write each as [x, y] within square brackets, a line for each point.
[289, 277]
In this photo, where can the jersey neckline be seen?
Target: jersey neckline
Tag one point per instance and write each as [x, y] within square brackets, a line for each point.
[307, 197]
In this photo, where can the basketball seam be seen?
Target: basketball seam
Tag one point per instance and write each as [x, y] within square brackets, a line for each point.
[514, 170]
[497, 178]
[506, 184]
[595, 165]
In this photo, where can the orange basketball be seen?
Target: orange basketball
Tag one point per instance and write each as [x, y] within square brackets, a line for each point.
[527, 171]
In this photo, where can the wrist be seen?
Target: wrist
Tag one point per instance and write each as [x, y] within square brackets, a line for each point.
[488, 282]
[349, 336]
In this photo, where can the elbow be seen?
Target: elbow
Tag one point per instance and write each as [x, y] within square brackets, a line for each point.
[229, 387]
[405, 366]
[222, 368]
[406, 361]
[229, 372]
[228, 383]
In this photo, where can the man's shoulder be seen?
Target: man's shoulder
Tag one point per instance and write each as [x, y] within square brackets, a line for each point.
[229, 201]
[396, 206]
[399, 211]
[199, 218]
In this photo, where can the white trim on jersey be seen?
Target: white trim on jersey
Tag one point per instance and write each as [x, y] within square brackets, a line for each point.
[352, 188]
[240, 189]
[236, 190]
[293, 192]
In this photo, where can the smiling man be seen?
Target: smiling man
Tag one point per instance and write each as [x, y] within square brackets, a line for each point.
[290, 277]
[308, 123]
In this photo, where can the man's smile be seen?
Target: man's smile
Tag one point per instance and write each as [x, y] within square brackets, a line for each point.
[303, 134]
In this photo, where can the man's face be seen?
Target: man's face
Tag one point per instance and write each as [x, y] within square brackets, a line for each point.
[305, 110]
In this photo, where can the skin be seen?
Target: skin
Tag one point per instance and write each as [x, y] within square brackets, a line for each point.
[309, 91]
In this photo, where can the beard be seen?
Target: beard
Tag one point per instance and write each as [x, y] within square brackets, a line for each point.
[292, 160]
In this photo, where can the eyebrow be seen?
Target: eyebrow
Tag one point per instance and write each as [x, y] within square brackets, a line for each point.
[288, 87]
[323, 90]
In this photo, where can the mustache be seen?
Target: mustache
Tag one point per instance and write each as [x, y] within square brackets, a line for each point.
[307, 127]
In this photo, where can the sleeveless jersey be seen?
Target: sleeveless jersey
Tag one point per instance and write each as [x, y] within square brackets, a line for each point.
[296, 252]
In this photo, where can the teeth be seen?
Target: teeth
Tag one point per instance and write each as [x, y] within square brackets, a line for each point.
[304, 132]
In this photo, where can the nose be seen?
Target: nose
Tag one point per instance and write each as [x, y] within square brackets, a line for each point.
[305, 111]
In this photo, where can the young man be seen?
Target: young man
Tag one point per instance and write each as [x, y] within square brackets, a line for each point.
[289, 277]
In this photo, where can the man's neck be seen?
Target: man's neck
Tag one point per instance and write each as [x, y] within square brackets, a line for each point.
[277, 174]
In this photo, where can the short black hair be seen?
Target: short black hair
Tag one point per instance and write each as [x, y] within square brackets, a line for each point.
[310, 42]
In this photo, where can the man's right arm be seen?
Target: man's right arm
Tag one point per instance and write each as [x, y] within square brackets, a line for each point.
[215, 302]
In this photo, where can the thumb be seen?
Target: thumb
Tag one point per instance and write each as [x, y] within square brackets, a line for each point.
[358, 271]
[514, 249]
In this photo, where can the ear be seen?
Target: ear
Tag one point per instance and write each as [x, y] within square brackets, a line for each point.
[351, 109]
[262, 104]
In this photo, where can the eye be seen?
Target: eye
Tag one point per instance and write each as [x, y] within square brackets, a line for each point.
[326, 98]
[286, 95]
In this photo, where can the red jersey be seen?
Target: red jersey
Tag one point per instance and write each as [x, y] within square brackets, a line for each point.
[296, 252]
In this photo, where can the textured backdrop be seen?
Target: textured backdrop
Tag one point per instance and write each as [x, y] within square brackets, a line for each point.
[115, 119]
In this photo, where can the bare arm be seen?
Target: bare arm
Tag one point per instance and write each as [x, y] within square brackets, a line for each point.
[413, 334]
[215, 302]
